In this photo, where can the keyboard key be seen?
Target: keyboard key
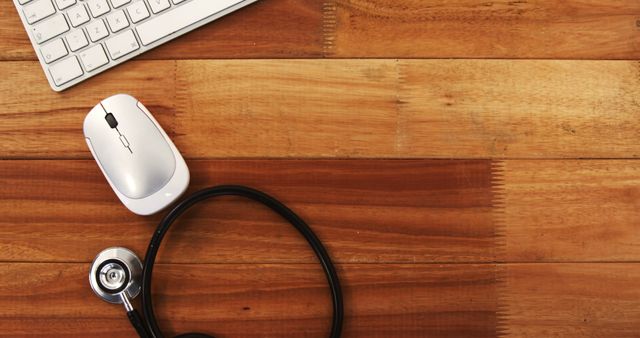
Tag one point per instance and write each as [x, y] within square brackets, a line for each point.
[97, 30]
[65, 71]
[62, 4]
[78, 15]
[138, 11]
[175, 2]
[53, 51]
[119, 3]
[93, 57]
[179, 18]
[38, 10]
[117, 21]
[22, 2]
[50, 28]
[122, 44]
[98, 7]
[76, 40]
[158, 6]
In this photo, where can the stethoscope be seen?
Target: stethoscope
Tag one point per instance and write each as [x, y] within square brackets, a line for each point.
[117, 275]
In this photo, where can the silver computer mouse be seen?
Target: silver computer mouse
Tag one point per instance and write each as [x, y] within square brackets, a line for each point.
[140, 162]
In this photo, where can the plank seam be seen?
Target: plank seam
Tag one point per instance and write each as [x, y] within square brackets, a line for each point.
[638, 79]
[329, 23]
[174, 104]
[399, 105]
[498, 205]
[503, 312]
[180, 99]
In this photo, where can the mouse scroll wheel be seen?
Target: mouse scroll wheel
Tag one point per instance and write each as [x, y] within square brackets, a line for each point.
[113, 123]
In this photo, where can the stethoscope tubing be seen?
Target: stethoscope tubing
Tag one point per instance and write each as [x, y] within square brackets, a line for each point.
[149, 326]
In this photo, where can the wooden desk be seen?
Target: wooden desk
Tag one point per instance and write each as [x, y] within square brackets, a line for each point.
[472, 167]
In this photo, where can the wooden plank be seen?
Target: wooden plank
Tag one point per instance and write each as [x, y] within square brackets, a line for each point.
[267, 29]
[365, 211]
[345, 108]
[41, 123]
[571, 300]
[594, 299]
[14, 42]
[574, 29]
[408, 108]
[520, 109]
[404, 210]
[237, 300]
[291, 108]
[568, 210]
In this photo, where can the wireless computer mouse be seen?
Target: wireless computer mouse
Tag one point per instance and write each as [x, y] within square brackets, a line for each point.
[142, 165]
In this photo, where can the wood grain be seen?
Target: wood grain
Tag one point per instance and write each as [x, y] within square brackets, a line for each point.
[345, 108]
[292, 108]
[409, 108]
[239, 300]
[14, 42]
[405, 210]
[365, 211]
[267, 29]
[571, 300]
[569, 210]
[520, 109]
[247, 300]
[42, 123]
[574, 29]
[460, 197]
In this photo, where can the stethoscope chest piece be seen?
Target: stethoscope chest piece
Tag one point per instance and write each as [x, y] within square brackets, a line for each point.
[115, 275]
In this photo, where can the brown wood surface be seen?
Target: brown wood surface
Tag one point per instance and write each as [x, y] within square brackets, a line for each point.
[406, 211]
[260, 300]
[464, 186]
[573, 29]
[346, 108]
[571, 300]
[569, 210]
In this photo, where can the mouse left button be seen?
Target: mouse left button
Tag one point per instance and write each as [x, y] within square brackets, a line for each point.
[111, 120]
[93, 121]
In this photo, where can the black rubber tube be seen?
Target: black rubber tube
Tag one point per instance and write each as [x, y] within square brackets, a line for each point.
[273, 204]
[137, 323]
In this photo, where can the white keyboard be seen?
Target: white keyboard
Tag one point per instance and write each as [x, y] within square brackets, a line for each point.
[77, 39]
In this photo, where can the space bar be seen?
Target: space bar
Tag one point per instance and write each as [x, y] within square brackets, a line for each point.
[179, 18]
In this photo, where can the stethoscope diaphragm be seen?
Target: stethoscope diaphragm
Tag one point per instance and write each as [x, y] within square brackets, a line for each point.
[115, 275]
